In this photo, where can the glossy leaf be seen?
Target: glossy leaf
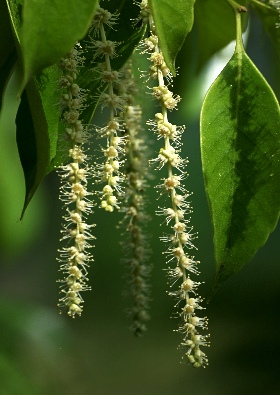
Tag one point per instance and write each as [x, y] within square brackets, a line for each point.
[50, 29]
[215, 27]
[173, 21]
[37, 119]
[269, 17]
[37, 129]
[15, 237]
[240, 146]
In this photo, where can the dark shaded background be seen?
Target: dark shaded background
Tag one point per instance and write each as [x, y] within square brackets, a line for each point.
[44, 353]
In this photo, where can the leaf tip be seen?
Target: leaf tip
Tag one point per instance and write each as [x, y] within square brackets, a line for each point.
[220, 278]
[171, 65]
[213, 291]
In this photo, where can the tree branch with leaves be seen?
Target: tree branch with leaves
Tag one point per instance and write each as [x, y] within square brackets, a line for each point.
[75, 57]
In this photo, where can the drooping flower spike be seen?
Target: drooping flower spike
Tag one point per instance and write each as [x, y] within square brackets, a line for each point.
[121, 133]
[135, 243]
[109, 172]
[76, 232]
[179, 240]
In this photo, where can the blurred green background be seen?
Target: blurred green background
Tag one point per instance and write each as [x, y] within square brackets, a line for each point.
[44, 353]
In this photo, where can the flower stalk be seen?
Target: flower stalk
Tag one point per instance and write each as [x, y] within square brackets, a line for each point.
[181, 264]
[76, 232]
[109, 171]
[135, 242]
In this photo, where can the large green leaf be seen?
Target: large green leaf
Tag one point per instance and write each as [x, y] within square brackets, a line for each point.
[37, 118]
[215, 27]
[173, 21]
[50, 29]
[240, 145]
[270, 18]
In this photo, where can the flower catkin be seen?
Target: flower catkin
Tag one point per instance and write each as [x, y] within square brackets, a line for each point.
[76, 232]
[109, 171]
[135, 243]
[181, 265]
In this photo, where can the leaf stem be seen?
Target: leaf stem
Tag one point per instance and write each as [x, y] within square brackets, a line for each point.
[237, 8]
[239, 43]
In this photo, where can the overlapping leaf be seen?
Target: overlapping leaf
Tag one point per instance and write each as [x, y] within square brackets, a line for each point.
[37, 119]
[240, 145]
[269, 16]
[215, 27]
[173, 21]
[50, 29]
[37, 128]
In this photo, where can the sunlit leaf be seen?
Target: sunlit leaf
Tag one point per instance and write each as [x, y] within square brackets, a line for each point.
[240, 145]
[37, 118]
[173, 21]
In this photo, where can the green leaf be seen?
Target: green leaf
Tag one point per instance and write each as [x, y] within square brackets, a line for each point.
[215, 26]
[240, 147]
[15, 13]
[50, 29]
[15, 237]
[269, 17]
[173, 21]
[37, 129]
[26, 142]
[37, 119]
[43, 99]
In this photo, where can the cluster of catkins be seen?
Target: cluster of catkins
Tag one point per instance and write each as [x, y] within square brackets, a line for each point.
[122, 171]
